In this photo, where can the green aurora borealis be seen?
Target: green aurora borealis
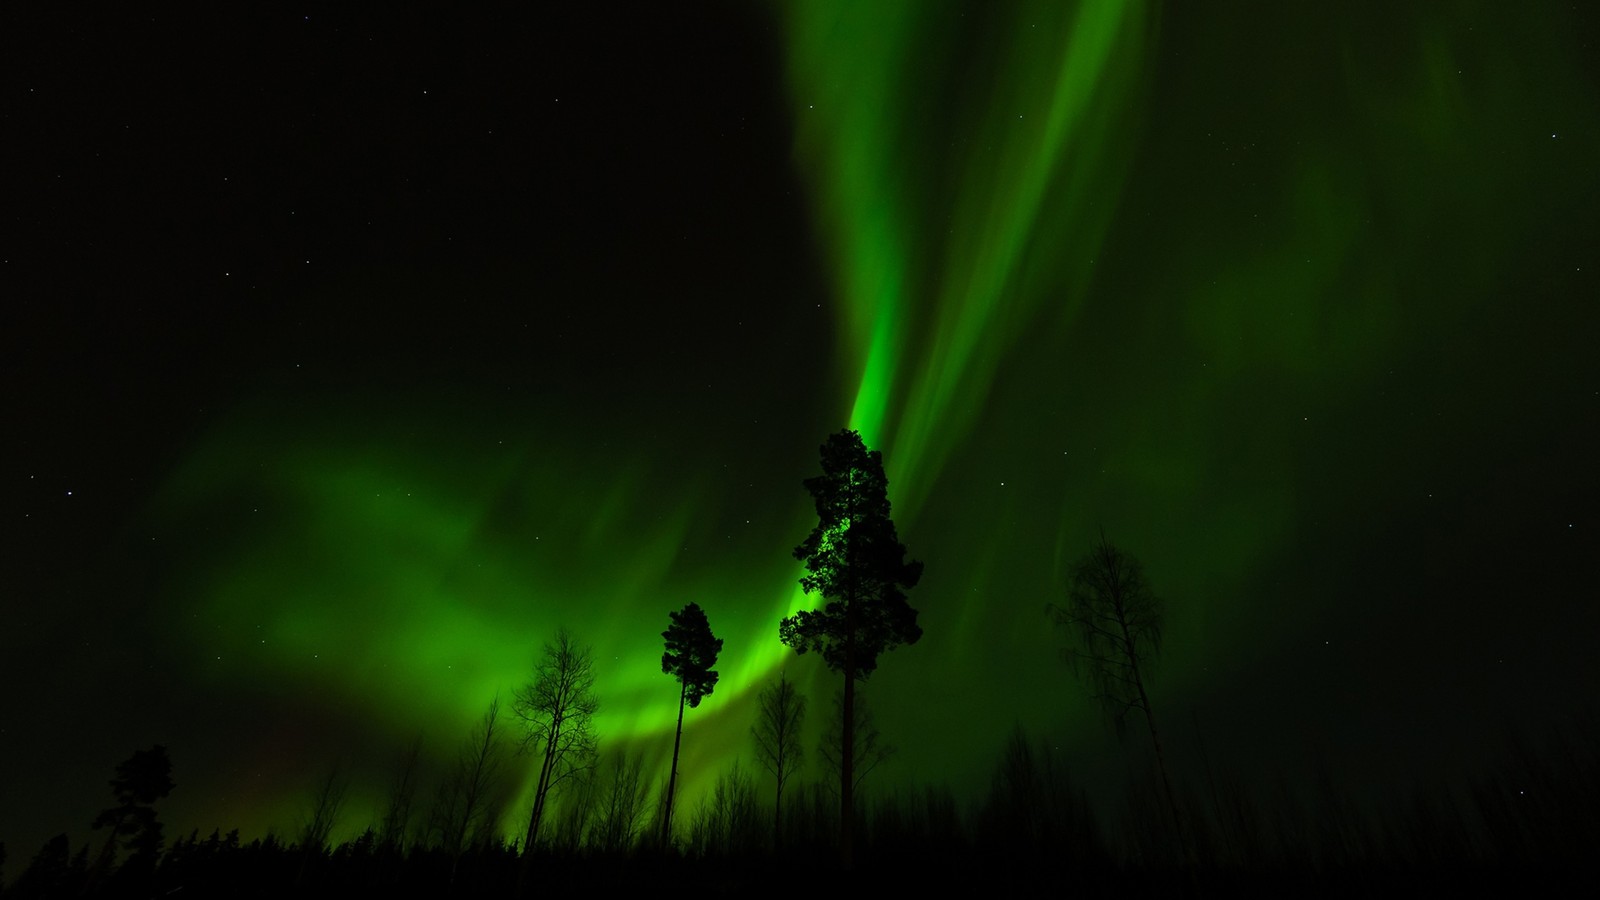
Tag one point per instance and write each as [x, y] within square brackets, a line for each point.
[1296, 304]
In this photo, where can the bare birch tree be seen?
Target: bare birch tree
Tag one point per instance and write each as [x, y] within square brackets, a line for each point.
[781, 714]
[557, 706]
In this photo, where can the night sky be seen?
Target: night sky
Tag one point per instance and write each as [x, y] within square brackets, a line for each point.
[344, 360]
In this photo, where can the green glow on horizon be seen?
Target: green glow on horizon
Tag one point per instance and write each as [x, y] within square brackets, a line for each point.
[344, 566]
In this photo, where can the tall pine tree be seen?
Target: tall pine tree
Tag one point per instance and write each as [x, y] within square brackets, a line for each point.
[855, 560]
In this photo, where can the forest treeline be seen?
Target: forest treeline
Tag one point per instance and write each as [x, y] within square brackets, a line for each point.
[1528, 821]
[596, 820]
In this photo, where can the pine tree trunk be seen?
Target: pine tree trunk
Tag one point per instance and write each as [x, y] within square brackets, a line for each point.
[672, 779]
[847, 772]
[847, 752]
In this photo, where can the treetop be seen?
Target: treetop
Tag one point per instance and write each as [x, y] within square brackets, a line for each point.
[854, 559]
[691, 652]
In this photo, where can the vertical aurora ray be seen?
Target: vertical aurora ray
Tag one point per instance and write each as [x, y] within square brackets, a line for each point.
[846, 65]
[962, 183]
[1211, 263]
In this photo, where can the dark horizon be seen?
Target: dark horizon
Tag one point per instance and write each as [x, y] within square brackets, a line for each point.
[348, 359]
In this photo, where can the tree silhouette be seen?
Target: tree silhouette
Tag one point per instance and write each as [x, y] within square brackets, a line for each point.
[318, 820]
[725, 823]
[855, 560]
[465, 808]
[50, 874]
[691, 652]
[781, 714]
[323, 811]
[141, 780]
[623, 803]
[395, 829]
[868, 748]
[1113, 621]
[558, 708]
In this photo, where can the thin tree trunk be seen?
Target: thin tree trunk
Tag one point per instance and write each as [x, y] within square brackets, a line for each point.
[1161, 760]
[672, 779]
[1144, 699]
[847, 772]
[847, 752]
[539, 791]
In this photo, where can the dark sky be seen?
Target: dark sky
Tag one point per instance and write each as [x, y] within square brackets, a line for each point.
[347, 359]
